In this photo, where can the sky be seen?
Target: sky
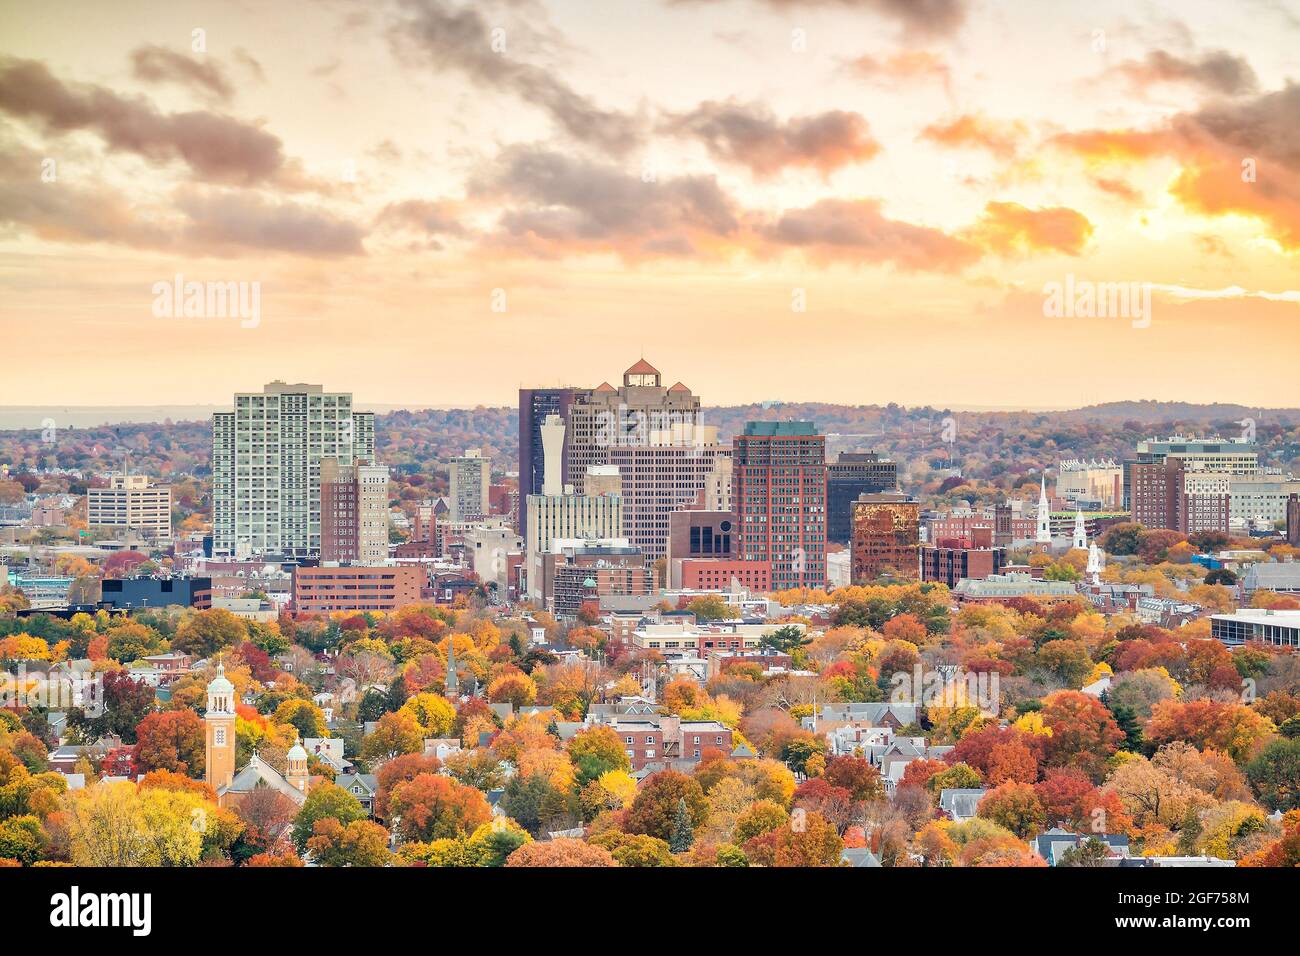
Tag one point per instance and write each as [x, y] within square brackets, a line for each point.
[436, 202]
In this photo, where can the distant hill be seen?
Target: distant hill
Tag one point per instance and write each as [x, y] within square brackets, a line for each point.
[986, 444]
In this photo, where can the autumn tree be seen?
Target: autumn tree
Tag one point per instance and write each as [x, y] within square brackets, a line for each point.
[430, 807]
[654, 811]
[359, 843]
[172, 740]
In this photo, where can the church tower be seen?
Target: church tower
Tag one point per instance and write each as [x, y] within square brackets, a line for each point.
[453, 679]
[296, 766]
[1080, 531]
[1044, 535]
[219, 722]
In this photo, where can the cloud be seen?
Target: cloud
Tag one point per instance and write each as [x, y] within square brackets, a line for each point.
[919, 18]
[1238, 158]
[462, 40]
[1008, 228]
[156, 64]
[222, 220]
[1216, 71]
[857, 231]
[434, 218]
[749, 135]
[976, 131]
[904, 67]
[557, 204]
[215, 147]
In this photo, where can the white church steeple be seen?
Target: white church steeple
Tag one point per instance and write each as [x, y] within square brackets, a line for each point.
[1080, 531]
[1044, 535]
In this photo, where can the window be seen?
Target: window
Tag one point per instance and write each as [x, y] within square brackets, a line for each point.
[219, 737]
[649, 740]
[629, 740]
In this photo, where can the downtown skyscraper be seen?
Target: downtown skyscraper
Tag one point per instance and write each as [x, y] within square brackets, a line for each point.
[266, 457]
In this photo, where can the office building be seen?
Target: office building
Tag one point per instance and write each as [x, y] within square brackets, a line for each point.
[357, 588]
[886, 538]
[132, 503]
[469, 477]
[1293, 520]
[1260, 503]
[779, 497]
[639, 412]
[949, 565]
[266, 456]
[1099, 480]
[659, 479]
[535, 404]
[850, 475]
[1278, 628]
[559, 513]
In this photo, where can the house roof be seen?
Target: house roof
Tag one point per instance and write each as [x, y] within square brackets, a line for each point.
[642, 367]
[258, 773]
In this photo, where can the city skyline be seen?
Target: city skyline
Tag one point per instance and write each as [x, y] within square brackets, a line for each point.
[409, 167]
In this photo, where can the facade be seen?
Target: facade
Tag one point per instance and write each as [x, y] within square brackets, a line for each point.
[574, 572]
[1293, 520]
[950, 565]
[1260, 502]
[488, 548]
[698, 533]
[156, 592]
[886, 537]
[1206, 501]
[719, 574]
[1014, 584]
[1279, 628]
[779, 496]
[657, 480]
[639, 412]
[535, 404]
[357, 588]
[354, 512]
[131, 502]
[469, 477]
[266, 458]
[1155, 493]
[658, 739]
[1100, 480]
[1233, 456]
[850, 475]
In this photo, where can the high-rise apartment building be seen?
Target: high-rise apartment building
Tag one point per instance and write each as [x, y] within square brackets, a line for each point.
[779, 498]
[1293, 521]
[354, 512]
[1155, 492]
[886, 538]
[133, 503]
[854, 473]
[266, 456]
[469, 477]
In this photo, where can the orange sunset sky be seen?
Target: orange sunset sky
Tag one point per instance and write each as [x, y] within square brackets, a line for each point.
[657, 177]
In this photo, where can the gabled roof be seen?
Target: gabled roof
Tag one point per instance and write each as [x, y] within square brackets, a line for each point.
[604, 388]
[642, 367]
[679, 387]
[259, 773]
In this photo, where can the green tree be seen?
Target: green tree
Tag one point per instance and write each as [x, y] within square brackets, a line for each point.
[324, 801]
[683, 834]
